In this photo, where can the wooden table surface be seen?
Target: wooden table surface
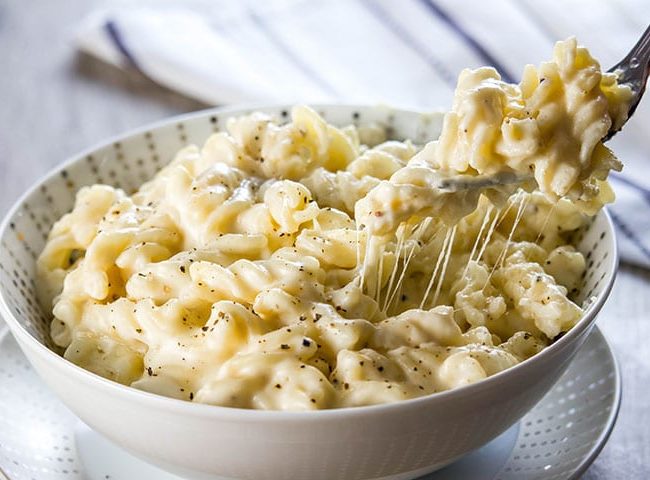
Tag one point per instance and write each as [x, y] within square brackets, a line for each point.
[54, 103]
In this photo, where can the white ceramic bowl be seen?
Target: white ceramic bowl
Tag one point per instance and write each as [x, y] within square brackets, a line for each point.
[401, 440]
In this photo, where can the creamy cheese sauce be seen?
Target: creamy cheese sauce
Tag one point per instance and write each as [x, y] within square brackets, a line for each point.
[302, 266]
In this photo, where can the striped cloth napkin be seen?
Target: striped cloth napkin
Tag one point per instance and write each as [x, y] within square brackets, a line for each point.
[406, 54]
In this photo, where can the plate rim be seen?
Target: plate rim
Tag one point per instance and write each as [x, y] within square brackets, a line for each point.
[612, 418]
[609, 424]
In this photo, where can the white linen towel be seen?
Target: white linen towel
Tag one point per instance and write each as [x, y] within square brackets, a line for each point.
[405, 53]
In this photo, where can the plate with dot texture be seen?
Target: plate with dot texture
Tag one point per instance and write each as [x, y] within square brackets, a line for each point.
[558, 439]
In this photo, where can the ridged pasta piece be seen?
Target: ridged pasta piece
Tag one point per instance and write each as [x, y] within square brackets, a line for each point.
[70, 237]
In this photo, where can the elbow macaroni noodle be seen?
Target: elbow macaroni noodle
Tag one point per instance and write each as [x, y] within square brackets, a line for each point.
[301, 266]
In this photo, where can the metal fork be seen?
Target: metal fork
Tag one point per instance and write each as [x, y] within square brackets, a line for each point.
[633, 70]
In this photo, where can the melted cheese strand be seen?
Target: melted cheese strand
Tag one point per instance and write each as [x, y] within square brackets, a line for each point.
[486, 219]
[402, 274]
[488, 236]
[444, 267]
[436, 268]
[504, 252]
[380, 271]
[543, 227]
[398, 253]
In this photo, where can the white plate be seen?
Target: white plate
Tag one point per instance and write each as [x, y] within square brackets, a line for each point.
[41, 440]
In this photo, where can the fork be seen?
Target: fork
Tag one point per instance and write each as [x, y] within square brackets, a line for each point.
[633, 71]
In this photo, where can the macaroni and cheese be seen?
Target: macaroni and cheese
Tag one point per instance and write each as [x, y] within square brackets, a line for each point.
[302, 266]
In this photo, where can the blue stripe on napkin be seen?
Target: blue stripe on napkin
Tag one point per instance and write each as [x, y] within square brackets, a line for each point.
[110, 27]
[424, 51]
[643, 191]
[431, 6]
[291, 56]
[629, 233]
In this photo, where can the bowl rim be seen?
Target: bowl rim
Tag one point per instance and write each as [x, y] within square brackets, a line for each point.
[26, 339]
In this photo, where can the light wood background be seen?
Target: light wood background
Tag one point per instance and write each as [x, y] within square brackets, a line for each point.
[54, 103]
